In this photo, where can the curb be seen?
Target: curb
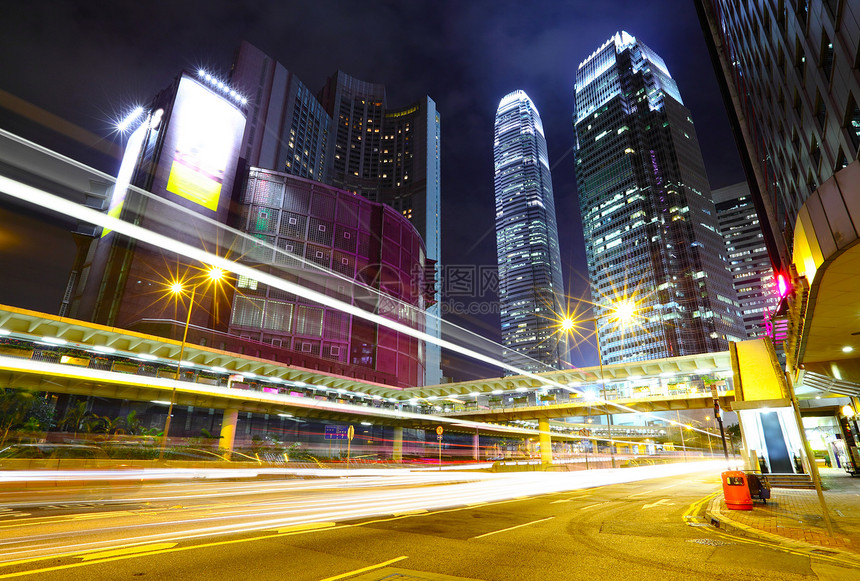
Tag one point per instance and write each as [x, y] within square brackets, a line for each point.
[725, 523]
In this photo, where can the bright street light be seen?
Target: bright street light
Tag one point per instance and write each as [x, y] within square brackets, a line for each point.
[177, 288]
[623, 312]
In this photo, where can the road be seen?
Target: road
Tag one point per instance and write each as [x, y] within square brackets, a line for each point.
[529, 526]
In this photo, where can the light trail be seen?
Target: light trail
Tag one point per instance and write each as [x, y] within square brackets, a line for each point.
[304, 503]
[52, 202]
[73, 372]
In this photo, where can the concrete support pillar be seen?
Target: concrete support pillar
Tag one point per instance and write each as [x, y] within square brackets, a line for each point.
[397, 445]
[228, 429]
[476, 445]
[545, 443]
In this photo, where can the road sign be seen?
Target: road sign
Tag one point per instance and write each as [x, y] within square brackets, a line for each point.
[439, 430]
[350, 433]
[337, 432]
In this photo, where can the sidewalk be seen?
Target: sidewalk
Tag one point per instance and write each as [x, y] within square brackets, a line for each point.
[793, 518]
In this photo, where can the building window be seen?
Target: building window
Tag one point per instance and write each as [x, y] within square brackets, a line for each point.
[820, 111]
[826, 58]
[841, 161]
[815, 152]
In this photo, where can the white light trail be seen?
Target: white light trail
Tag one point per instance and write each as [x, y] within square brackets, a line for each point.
[17, 364]
[302, 502]
[55, 203]
[50, 201]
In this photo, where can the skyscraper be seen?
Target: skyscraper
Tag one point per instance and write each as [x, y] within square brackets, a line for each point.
[749, 263]
[288, 129]
[789, 74]
[390, 155]
[531, 292]
[649, 223]
[348, 136]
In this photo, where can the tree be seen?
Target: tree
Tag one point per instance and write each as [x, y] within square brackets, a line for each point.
[75, 417]
[20, 408]
[108, 425]
[733, 433]
[133, 426]
[14, 405]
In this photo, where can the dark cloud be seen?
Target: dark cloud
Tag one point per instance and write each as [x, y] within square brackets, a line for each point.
[85, 61]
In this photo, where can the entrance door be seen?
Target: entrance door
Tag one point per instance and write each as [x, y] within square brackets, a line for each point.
[774, 441]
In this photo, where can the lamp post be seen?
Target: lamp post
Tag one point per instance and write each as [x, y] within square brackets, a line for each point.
[681, 429]
[708, 429]
[624, 311]
[213, 275]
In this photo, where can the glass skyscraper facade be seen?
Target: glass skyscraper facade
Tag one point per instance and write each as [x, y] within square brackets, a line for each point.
[751, 269]
[649, 223]
[531, 291]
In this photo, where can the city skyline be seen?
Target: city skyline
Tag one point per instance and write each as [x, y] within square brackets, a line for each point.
[442, 69]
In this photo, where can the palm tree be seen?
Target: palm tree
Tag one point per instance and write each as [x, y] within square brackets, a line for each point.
[15, 404]
[75, 417]
[132, 424]
[107, 425]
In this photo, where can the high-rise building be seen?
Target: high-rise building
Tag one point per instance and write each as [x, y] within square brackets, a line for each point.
[649, 222]
[749, 263]
[348, 137]
[789, 75]
[789, 71]
[287, 129]
[182, 177]
[531, 291]
[389, 155]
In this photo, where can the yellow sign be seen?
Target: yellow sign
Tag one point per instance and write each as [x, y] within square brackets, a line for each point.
[193, 185]
[439, 430]
[80, 361]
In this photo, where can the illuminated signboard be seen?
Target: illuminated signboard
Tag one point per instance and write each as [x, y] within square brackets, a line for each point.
[126, 171]
[207, 130]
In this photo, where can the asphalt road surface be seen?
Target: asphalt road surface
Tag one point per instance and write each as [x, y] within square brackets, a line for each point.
[532, 526]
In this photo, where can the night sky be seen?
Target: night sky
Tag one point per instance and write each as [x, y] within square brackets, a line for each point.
[88, 61]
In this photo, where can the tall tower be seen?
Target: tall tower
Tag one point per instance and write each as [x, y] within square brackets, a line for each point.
[531, 291]
[348, 137]
[287, 128]
[390, 155]
[748, 260]
[649, 223]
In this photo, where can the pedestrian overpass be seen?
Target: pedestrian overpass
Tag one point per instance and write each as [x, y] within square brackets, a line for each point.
[44, 352]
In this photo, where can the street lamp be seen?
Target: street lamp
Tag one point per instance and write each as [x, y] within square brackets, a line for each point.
[708, 429]
[213, 276]
[623, 311]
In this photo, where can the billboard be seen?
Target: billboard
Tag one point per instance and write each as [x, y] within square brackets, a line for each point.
[207, 131]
